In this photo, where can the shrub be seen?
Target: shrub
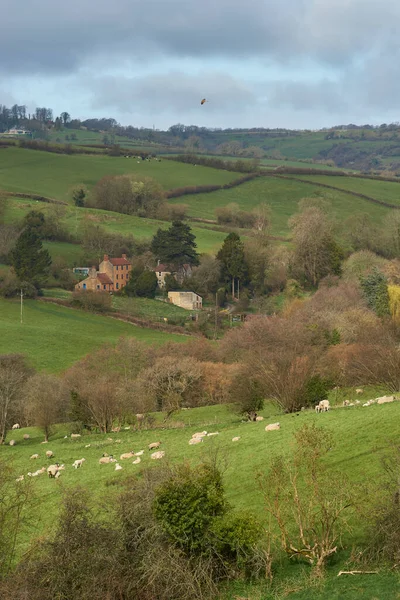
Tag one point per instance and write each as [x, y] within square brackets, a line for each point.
[234, 537]
[146, 285]
[93, 301]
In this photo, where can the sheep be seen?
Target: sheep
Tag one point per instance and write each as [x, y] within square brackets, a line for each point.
[359, 391]
[78, 463]
[193, 441]
[16, 426]
[154, 445]
[157, 455]
[34, 456]
[259, 418]
[139, 417]
[118, 467]
[139, 453]
[105, 460]
[346, 403]
[57, 475]
[12, 442]
[323, 406]
[385, 399]
[26, 436]
[127, 455]
[52, 470]
[357, 402]
[20, 478]
[75, 436]
[87, 445]
[273, 427]
[213, 433]
[49, 454]
[236, 439]
[136, 461]
[199, 434]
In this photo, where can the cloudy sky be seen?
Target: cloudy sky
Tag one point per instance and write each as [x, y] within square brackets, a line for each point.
[266, 63]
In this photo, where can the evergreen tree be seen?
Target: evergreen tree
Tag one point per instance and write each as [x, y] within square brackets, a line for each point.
[233, 260]
[146, 285]
[176, 245]
[35, 220]
[30, 261]
[375, 290]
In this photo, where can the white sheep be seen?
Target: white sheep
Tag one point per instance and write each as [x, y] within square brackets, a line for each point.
[49, 454]
[359, 391]
[157, 455]
[127, 455]
[273, 427]
[323, 406]
[20, 478]
[26, 436]
[193, 441]
[118, 467]
[199, 434]
[78, 463]
[154, 445]
[259, 418]
[236, 439]
[136, 461]
[385, 399]
[34, 456]
[213, 433]
[52, 470]
[16, 426]
[139, 453]
[346, 402]
[75, 436]
[12, 442]
[87, 446]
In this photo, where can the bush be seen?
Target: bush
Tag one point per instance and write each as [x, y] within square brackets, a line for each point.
[146, 285]
[93, 301]
[234, 537]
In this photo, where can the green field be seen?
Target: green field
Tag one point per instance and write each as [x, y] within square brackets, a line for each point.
[53, 175]
[358, 450]
[153, 310]
[54, 337]
[282, 195]
[387, 191]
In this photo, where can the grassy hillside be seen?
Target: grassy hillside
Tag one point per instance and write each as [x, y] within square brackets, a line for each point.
[283, 196]
[54, 337]
[32, 171]
[359, 447]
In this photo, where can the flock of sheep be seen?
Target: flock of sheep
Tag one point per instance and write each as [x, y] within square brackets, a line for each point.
[54, 470]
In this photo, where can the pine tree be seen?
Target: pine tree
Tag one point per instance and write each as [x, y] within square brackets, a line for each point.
[176, 245]
[30, 261]
[232, 258]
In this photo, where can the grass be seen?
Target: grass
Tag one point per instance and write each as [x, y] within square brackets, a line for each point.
[388, 191]
[54, 337]
[53, 175]
[358, 450]
[153, 310]
[283, 196]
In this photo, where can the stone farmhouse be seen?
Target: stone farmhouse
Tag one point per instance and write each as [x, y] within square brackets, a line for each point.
[180, 274]
[188, 300]
[113, 275]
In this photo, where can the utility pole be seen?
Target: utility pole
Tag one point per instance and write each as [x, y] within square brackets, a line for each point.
[22, 295]
[216, 316]
[238, 289]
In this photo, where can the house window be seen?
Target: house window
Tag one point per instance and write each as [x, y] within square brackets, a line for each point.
[84, 286]
[117, 286]
[117, 276]
[105, 287]
[98, 287]
[117, 267]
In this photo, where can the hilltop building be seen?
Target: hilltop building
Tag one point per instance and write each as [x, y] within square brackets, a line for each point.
[113, 275]
[188, 300]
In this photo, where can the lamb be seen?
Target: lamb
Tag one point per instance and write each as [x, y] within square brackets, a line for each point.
[118, 467]
[16, 426]
[346, 403]
[52, 470]
[157, 455]
[26, 436]
[20, 478]
[139, 453]
[12, 442]
[273, 427]
[213, 433]
[323, 406]
[359, 391]
[137, 461]
[35, 456]
[49, 454]
[385, 399]
[127, 455]
[78, 463]
[236, 439]
[259, 418]
[154, 445]
[75, 436]
[199, 434]
[196, 440]
[105, 460]
[87, 446]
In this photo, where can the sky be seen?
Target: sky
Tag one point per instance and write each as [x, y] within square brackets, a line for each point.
[260, 63]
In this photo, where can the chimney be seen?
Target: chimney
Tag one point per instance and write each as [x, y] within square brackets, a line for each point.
[124, 256]
[158, 262]
[105, 257]
[93, 272]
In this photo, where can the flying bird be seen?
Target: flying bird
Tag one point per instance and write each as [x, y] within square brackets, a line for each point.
[203, 101]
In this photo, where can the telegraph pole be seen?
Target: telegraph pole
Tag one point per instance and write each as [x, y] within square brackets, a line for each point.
[22, 295]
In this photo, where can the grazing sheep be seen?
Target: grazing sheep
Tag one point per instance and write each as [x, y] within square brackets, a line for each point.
[75, 436]
[136, 461]
[357, 402]
[87, 446]
[49, 454]
[157, 455]
[139, 417]
[16, 426]
[26, 436]
[236, 439]
[199, 434]
[20, 478]
[195, 441]
[154, 445]
[78, 463]
[12, 442]
[359, 391]
[384, 399]
[273, 427]
[118, 467]
[213, 433]
[323, 406]
[258, 419]
[346, 402]
[57, 475]
[127, 455]
[52, 470]
[105, 460]
[35, 456]
[139, 453]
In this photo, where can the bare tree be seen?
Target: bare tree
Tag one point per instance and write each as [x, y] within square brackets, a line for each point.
[13, 375]
[46, 399]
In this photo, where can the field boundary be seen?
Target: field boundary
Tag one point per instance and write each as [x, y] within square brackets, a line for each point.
[33, 197]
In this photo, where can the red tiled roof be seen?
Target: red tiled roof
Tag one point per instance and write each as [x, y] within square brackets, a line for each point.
[162, 269]
[104, 278]
[119, 261]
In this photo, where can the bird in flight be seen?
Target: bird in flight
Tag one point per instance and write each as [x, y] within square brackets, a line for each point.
[203, 101]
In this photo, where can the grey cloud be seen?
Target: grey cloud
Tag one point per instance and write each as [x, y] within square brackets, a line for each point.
[61, 37]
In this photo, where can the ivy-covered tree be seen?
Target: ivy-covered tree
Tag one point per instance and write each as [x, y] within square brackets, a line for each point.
[233, 260]
[175, 246]
[375, 290]
[30, 261]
